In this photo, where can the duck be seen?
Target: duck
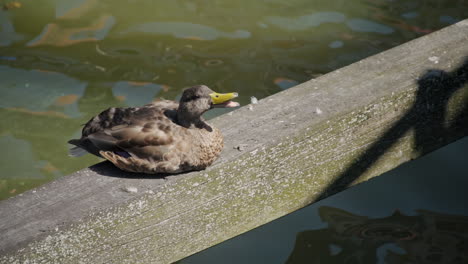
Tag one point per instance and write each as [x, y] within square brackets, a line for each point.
[161, 137]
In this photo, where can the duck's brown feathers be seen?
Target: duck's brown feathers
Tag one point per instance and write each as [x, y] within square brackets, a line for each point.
[149, 140]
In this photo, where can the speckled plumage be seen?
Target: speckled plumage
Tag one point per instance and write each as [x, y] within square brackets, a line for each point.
[155, 138]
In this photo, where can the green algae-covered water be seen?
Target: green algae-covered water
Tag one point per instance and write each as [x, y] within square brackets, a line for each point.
[63, 61]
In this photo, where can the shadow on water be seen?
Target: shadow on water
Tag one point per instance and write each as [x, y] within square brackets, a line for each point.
[429, 117]
[427, 237]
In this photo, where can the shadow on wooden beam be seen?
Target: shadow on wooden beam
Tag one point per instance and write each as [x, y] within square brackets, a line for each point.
[429, 117]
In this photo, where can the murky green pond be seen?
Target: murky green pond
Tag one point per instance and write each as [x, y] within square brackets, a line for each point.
[63, 61]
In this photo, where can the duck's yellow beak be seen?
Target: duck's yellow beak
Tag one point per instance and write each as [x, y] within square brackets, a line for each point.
[223, 100]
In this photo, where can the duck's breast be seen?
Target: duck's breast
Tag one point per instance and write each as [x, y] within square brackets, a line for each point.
[203, 147]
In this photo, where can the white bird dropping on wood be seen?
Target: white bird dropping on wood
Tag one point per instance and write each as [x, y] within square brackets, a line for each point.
[253, 100]
[130, 189]
[434, 59]
[318, 111]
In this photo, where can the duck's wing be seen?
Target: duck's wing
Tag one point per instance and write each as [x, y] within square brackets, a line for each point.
[116, 117]
[150, 140]
[97, 132]
[152, 147]
[146, 139]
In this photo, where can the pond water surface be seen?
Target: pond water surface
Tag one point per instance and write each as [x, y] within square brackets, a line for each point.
[63, 61]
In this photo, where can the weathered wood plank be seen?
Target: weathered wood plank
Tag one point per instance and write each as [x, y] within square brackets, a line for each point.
[374, 115]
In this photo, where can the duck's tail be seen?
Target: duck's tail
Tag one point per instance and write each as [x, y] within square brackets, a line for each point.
[76, 151]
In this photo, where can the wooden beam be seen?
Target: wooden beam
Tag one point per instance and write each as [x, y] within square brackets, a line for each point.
[287, 151]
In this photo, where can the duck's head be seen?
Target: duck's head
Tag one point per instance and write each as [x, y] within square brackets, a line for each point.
[198, 99]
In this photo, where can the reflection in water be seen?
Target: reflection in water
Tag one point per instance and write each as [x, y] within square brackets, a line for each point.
[284, 83]
[20, 152]
[57, 35]
[336, 44]
[307, 21]
[364, 25]
[58, 93]
[62, 62]
[187, 31]
[133, 93]
[74, 9]
[7, 31]
[316, 19]
[410, 15]
[426, 237]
